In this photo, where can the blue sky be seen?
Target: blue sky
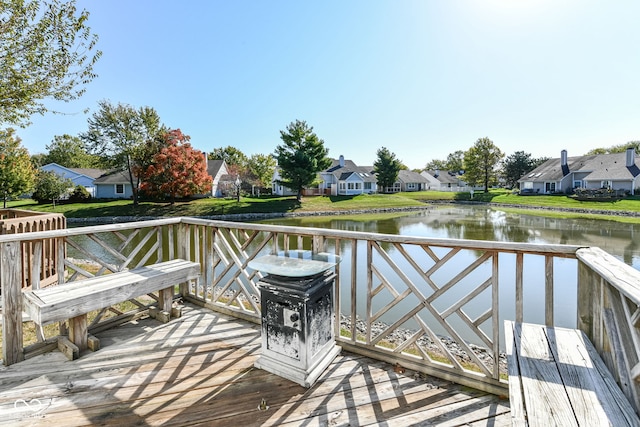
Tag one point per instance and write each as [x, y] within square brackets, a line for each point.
[423, 78]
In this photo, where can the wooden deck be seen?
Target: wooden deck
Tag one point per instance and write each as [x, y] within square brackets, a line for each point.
[198, 370]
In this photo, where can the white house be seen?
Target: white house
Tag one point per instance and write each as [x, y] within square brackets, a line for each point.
[344, 177]
[279, 189]
[216, 169]
[443, 181]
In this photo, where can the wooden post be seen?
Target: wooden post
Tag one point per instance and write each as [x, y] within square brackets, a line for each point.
[586, 309]
[61, 254]
[78, 331]
[11, 286]
[548, 290]
[495, 307]
[184, 253]
[519, 287]
[165, 300]
[36, 264]
[209, 261]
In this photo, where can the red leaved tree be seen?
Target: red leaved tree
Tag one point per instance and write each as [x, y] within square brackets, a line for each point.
[177, 170]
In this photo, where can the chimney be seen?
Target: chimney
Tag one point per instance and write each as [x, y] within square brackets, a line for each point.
[563, 158]
[341, 161]
[206, 161]
[631, 157]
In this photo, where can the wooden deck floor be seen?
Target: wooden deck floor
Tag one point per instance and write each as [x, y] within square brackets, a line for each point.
[198, 370]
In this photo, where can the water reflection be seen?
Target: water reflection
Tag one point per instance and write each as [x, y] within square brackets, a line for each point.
[481, 223]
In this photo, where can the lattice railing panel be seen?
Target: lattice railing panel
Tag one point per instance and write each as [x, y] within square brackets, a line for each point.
[98, 253]
[407, 284]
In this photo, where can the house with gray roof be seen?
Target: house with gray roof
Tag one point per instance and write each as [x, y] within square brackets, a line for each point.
[342, 177]
[216, 169]
[345, 178]
[113, 185]
[79, 176]
[444, 181]
[411, 181]
[617, 171]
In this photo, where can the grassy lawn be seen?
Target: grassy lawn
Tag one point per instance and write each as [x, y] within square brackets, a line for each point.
[268, 204]
[206, 207]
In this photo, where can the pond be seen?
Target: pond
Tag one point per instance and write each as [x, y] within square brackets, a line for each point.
[482, 223]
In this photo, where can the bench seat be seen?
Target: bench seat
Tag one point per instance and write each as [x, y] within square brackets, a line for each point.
[557, 378]
[74, 300]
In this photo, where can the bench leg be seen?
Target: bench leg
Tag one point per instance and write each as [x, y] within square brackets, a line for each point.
[166, 299]
[78, 331]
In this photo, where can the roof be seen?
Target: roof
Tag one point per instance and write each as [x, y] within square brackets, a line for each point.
[445, 177]
[596, 167]
[407, 176]
[342, 173]
[213, 167]
[90, 172]
[113, 177]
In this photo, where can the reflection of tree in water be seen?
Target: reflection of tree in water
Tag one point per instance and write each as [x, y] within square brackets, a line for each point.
[383, 225]
[480, 223]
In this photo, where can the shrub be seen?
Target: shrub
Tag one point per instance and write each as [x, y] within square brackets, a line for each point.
[79, 194]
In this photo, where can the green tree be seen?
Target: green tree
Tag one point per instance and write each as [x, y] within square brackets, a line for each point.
[50, 187]
[262, 166]
[436, 164]
[455, 161]
[231, 155]
[69, 151]
[119, 134]
[619, 148]
[236, 161]
[38, 159]
[46, 52]
[301, 156]
[481, 163]
[17, 173]
[386, 168]
[515, 166]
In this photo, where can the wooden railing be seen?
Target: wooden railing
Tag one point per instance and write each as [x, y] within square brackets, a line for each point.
[14, 221]
[609, 313]
[433, 305]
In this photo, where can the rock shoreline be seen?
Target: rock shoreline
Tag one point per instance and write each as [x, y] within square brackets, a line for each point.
[398, 336]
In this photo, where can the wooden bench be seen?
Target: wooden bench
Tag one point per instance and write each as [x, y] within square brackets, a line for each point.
[557, 378]
[75, 299]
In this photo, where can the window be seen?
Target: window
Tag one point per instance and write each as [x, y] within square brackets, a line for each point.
[411, 186]
[367, 186]
[528, 185]
[550, 187]
[577, 184]
[606, 184]
[119, 188]
[342, 186]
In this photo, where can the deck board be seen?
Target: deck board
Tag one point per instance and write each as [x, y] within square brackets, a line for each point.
[198, 370]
